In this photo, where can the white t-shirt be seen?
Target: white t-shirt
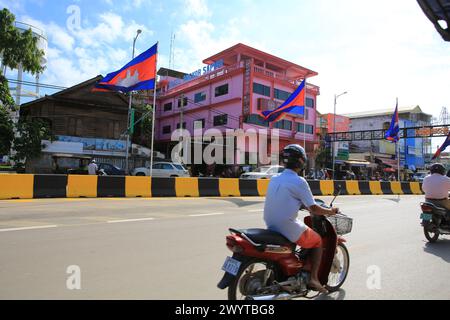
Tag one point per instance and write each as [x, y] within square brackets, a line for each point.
[92, 169]
[285, 195]
[436, 186]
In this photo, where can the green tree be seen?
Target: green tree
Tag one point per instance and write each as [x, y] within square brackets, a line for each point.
[6, 124]
[28, 142]
[17, 48]
[322, 157]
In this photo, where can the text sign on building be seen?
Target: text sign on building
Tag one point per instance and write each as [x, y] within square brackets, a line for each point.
[247, 87]
[198, 73]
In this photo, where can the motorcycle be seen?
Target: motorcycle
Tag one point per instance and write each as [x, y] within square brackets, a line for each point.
[435, 221]
[267, 266]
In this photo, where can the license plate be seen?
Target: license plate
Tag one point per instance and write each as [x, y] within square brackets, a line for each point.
[231, 266]
[426, 216]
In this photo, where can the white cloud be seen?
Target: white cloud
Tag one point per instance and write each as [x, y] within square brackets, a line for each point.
[196, 8]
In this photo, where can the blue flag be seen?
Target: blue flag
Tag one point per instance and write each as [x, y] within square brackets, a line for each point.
[392, 134]
[295, 104]
[139, 74]
[442, 148]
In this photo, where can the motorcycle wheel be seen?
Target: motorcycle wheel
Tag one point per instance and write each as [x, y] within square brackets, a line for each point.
[250, 279]
[339, 269]
[432, 236]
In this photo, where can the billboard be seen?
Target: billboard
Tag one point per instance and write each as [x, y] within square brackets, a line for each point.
[342, 123]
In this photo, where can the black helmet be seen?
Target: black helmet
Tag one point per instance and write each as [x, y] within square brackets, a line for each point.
[437, 168]
[294, 156]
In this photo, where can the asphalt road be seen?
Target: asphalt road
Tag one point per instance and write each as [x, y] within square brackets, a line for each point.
[174, 248]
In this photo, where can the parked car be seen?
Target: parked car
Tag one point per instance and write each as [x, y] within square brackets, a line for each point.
[420, 176]
[266, 172]
[111, 170]
[163, 170]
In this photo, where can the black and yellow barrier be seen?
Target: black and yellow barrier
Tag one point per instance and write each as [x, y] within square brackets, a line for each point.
[13, 186]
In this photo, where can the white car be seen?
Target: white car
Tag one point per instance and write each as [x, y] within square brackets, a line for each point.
[266, 172]
[420, 176]
[163, 170]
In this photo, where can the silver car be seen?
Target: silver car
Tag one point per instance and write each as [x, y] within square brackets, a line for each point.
[163, 170]
[266, 172]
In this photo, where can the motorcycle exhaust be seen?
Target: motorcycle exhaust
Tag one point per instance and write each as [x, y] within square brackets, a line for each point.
[281, 296]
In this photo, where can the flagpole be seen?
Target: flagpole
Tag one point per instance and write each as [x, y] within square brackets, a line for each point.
[398, 142]
[304, 119]
[154, 112]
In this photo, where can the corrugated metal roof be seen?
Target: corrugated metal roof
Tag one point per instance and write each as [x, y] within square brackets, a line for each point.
[384, 112]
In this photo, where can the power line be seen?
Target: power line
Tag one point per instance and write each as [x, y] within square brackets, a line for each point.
[34, 84]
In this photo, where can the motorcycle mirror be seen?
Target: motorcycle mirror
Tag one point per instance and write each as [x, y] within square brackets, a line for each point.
[339, 189]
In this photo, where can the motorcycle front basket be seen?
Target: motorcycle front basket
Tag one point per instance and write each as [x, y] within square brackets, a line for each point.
[341, 223]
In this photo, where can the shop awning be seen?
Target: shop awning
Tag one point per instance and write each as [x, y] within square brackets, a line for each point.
[357, 163]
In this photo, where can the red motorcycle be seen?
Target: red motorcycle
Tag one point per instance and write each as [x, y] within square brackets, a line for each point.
[267, 266]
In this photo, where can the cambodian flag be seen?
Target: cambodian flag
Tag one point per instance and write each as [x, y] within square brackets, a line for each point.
[295, 104]
[139, 74]
[442, 148]
[392, 134]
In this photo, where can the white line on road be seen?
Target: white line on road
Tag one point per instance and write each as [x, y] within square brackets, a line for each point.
[207, 214]
[256, 210]
[28, 228]
[131, 220]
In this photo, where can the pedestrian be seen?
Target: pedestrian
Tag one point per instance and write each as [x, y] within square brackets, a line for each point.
[93, 168]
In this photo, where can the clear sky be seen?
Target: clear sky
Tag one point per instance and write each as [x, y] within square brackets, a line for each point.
[375, 50]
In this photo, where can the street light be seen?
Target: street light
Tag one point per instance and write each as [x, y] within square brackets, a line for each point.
[138, 32]
[334, 130]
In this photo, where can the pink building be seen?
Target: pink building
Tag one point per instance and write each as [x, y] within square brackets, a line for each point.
[243, 82]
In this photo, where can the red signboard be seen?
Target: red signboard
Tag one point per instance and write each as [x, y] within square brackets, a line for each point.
[342, 123]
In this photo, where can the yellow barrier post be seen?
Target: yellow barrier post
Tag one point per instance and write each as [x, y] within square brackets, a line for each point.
[375, 187]
[187, 187]
[415, 188]
[353, 188]
[138, 187]
[262, 184]
[16, 186]
[327, 187]
[81, 186]
[396, 187]
[229, 187]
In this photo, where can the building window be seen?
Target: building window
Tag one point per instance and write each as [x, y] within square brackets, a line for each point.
[221, 120]
[281, 95]
[75, 127]
[199, 97]
[184, 125]
[185, 102]
[310, 103]
[167, 129]
[309, 128]
[198, 123]
[222, 90]
[168, 106]
[256, 119]
[261, 89]
[283, 124]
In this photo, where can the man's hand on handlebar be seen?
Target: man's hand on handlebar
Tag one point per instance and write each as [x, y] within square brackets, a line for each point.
[334, 211]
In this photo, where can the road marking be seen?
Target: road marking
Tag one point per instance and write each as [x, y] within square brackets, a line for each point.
[207, 214]
[256, 210]
[28, 228]
[131, 220]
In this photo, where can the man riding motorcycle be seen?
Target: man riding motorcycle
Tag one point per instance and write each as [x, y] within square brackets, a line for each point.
[286, 194]
[436, 186]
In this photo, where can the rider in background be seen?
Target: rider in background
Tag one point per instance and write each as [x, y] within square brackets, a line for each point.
[286, 194]
[436, 186]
